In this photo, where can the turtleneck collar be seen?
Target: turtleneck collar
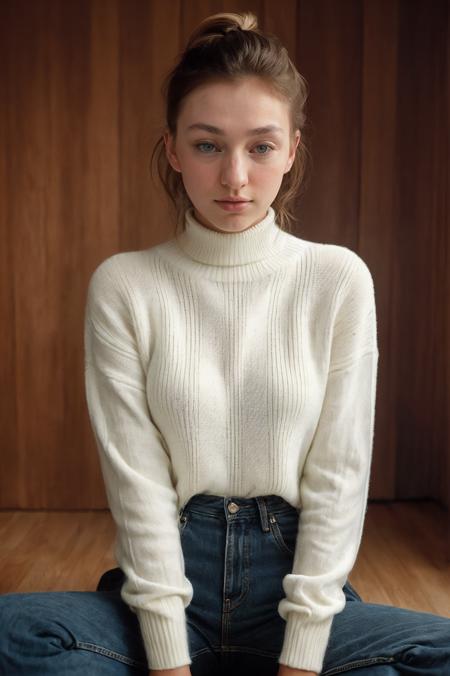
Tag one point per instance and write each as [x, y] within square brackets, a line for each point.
[262, 240]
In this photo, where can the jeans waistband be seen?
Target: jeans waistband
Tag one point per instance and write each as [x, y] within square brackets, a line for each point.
[235, 508]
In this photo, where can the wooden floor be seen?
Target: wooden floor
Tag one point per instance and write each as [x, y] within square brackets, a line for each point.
[402, 560]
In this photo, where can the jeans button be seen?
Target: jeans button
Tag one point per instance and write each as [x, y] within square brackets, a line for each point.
[233, 507]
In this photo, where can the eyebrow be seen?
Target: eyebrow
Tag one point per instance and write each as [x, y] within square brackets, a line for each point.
[251, 132]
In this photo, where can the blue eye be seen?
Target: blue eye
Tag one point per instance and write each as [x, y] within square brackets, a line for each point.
[198, 146]
[205, 143]
[262, 145]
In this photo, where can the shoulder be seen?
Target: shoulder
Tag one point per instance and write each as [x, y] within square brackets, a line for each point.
[334, 259]
[112, 310]
[123, 274]
[347, 266]
[339, 272]
[336, 268]
[120, 265]
[114, 286]
[350, 281]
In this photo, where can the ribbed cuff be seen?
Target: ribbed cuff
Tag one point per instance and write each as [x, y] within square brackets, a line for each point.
[165, 635]
[305, 643]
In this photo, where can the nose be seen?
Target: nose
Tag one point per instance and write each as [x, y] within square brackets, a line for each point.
[234, 172]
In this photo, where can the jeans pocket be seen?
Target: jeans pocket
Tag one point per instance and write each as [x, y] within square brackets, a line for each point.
[284, 529]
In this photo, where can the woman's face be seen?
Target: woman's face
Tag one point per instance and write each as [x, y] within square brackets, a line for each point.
[220, 153]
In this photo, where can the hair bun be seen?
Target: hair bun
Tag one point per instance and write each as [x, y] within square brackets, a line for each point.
[221, 24]
[229, 21]
[246, 21]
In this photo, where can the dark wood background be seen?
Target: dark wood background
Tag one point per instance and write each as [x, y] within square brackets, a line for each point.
[80, 111]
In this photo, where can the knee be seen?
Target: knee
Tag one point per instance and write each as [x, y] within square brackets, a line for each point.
[14, 615]
[431, 650]
[28, 620]
[14, 623]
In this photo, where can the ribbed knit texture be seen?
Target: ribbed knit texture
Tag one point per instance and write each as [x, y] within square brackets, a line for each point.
[234, 364]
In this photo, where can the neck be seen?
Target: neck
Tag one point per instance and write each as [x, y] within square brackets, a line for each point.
[255, 253]
[212, 247]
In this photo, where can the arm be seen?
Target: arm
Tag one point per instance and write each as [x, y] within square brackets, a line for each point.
[335, 478]
[288, 671]
[179, 671]
[136, 469]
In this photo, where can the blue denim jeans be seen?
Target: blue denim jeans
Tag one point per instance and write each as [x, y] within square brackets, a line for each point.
[236, 552]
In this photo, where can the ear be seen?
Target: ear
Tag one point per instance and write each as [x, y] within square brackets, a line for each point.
[293, 150]
[170, 151]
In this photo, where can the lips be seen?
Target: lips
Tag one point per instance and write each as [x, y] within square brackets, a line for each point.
[233, 206]
[234, 201]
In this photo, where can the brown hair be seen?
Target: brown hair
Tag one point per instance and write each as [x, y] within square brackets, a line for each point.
[229, 46]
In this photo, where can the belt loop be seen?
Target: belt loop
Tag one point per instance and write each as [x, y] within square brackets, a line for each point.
[262, 506]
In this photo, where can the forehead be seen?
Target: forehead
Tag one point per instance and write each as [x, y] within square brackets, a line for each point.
[244, 104]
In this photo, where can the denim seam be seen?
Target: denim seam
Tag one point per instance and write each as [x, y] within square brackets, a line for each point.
[246, 566]
[205, 650]
[192, 510]
[263, 515]
[249, 651]
[275, 656]
[225, 617]
[106, 652]
[358, 663]
[218, 515]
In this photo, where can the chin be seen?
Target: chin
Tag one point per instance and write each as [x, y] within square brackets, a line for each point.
[224, 224]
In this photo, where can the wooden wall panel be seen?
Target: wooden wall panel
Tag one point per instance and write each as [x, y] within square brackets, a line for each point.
[329, 53]
[377, 217]
[10, 478]
[281, 18]
[99, 231]
[445, 375]
[147, 49]
[81, 109]
[418, 302]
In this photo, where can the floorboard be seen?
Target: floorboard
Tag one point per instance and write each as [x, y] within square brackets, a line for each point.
[402, 560]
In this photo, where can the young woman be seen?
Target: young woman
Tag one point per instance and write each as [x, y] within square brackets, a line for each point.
[230, 380]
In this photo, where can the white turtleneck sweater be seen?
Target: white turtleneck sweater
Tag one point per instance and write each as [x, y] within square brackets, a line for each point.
[234, 364]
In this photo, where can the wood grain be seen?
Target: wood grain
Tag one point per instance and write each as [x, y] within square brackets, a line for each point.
[402, 559]
[81, 109]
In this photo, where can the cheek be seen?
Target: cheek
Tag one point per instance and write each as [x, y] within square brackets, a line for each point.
[197, 171]
[199, 177]
[267, 174]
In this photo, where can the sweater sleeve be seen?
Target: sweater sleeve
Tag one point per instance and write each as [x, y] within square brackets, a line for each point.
[335, 479]
[136, 469]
